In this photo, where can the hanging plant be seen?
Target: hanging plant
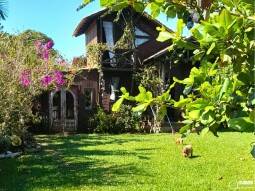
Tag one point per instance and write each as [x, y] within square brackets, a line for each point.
[94, 54]
[126, 40]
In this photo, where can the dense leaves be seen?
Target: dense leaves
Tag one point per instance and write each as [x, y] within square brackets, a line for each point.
[123, 121]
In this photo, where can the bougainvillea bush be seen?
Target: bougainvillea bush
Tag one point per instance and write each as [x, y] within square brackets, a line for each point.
[28, 66]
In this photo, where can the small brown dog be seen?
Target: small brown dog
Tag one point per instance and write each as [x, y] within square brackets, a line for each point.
[187, 151]
[179, 141]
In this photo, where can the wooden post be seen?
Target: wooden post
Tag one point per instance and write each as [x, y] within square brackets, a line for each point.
[51, 95]
[75, 111]
[63, 108]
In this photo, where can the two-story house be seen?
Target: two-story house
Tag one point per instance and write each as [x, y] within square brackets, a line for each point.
[70, 109]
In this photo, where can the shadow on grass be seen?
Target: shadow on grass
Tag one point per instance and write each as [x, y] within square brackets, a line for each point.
[195, 156]
[65, 162]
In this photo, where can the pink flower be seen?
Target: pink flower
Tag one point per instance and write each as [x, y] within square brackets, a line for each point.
[25, 78]
[45, 54]
[62, 63]
[43, 50]
[49, 44]
[46, 80]
[38, 46]
[59, 78]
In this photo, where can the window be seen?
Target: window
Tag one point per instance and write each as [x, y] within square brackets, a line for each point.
[88, 99]
[69, 105]
[114, 87]
[56, 110]
[139, 32]
[108, 29]
[141, 37]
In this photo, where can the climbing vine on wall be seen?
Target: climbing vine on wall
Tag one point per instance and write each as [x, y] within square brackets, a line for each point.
[95, 53]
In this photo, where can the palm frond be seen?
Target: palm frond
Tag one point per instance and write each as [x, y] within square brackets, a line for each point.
[3, 9]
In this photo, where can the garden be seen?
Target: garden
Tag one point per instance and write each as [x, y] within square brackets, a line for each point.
[213, 147]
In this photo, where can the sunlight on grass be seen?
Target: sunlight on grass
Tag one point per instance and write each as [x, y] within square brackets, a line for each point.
[131, 162]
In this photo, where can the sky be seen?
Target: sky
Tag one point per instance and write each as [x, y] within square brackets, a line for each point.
[57, 19]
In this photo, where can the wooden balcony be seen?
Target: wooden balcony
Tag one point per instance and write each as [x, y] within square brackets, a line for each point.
[122, 60]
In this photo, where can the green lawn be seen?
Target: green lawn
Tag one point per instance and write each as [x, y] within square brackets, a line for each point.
[131, 162]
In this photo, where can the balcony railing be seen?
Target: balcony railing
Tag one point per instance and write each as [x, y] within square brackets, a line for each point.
[120, 59]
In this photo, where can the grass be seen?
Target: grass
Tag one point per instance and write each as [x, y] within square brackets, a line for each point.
[131, 162]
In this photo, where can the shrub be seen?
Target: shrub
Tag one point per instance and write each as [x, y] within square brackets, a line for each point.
[123, 121]
[5, 143]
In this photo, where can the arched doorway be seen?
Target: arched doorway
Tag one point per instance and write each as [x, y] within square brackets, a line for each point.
[63, 111]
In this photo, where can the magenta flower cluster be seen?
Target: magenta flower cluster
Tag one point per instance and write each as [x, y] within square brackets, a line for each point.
[57, 78]
[46, 80]
[25, 78]
[43, 49]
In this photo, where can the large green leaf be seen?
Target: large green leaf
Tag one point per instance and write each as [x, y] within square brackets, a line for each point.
[180, 27]
[165, 35]
[139, 7]
[188, 81]
[207, 117]
[143, 96]
[170, 11]
[123, 90]
[141, 107]
[211, 48]
[185, 128]
[252, 116]
[225, 18]
[194, 114]
[241, 124]
[116, 106]
[182, 102]
[224, 87]
[200, 104]
[155, 9]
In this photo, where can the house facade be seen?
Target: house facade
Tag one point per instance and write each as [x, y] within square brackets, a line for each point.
[71, 109]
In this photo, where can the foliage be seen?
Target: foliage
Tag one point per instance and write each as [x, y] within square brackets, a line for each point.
[95, 53]
[5, 143]
[148, 77]
[122, 121]
[221, 92]
[171, 8]
[3, 12]
[127, 39]
[28, 66]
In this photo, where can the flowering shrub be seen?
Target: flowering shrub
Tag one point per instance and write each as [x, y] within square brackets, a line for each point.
[28, 66]
[25, 78]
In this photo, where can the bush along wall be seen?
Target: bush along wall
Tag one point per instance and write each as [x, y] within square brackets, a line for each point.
[123, 121]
